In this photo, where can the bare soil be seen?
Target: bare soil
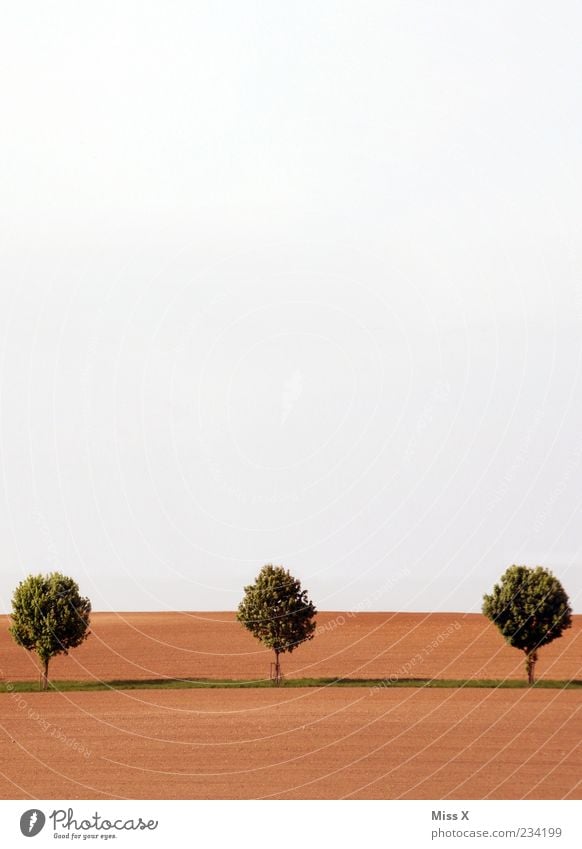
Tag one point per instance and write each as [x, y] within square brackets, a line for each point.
[363, 645]
[302, 743]
[297, 743]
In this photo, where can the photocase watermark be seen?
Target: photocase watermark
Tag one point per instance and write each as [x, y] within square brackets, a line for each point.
[332, 624]
[363, 605]
[201, 315]
[290, 394]
[220, 477]
[94, 349]
[519, 461]
[577, 301]
[558, 490]
[47, 727]
[405, 669]
[45, 531]
[438, 396]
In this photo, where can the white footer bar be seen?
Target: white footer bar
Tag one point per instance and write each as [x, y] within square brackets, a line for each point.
[292, 824]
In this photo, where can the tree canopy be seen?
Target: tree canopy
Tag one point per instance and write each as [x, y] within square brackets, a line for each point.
[531, 609]
[49, 616]
[278, 612]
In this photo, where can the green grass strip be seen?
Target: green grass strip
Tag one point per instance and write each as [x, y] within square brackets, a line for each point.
[289, 683]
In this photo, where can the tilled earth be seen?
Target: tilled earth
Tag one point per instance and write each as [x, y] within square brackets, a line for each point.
[300, 743]
[296, 743]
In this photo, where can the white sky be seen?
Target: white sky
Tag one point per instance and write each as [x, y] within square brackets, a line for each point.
[292, 283]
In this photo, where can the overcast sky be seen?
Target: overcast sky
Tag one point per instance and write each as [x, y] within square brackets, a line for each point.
[291, 283]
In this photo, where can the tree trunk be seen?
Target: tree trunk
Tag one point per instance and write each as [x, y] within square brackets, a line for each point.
[530, 663]
[277, 669]
[44, 680]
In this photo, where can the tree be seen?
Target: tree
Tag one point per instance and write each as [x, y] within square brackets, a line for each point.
[277, 612]
[49, 616]
[530, 607]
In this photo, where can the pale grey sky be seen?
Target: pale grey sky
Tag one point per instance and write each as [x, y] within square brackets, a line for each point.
[292, 283]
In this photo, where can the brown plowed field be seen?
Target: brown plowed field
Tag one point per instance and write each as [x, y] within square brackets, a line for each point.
[296, 743]
[303, 743]
[363, 645]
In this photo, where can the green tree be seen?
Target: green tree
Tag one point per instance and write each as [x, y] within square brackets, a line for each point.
[530, 607]
[49, 616]
[277, 612]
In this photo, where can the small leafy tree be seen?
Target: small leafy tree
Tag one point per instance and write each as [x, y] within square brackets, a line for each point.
[277, 612]
[49, 616]
[530, 607]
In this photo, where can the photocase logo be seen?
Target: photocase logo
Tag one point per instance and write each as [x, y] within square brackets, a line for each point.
[32, 822]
